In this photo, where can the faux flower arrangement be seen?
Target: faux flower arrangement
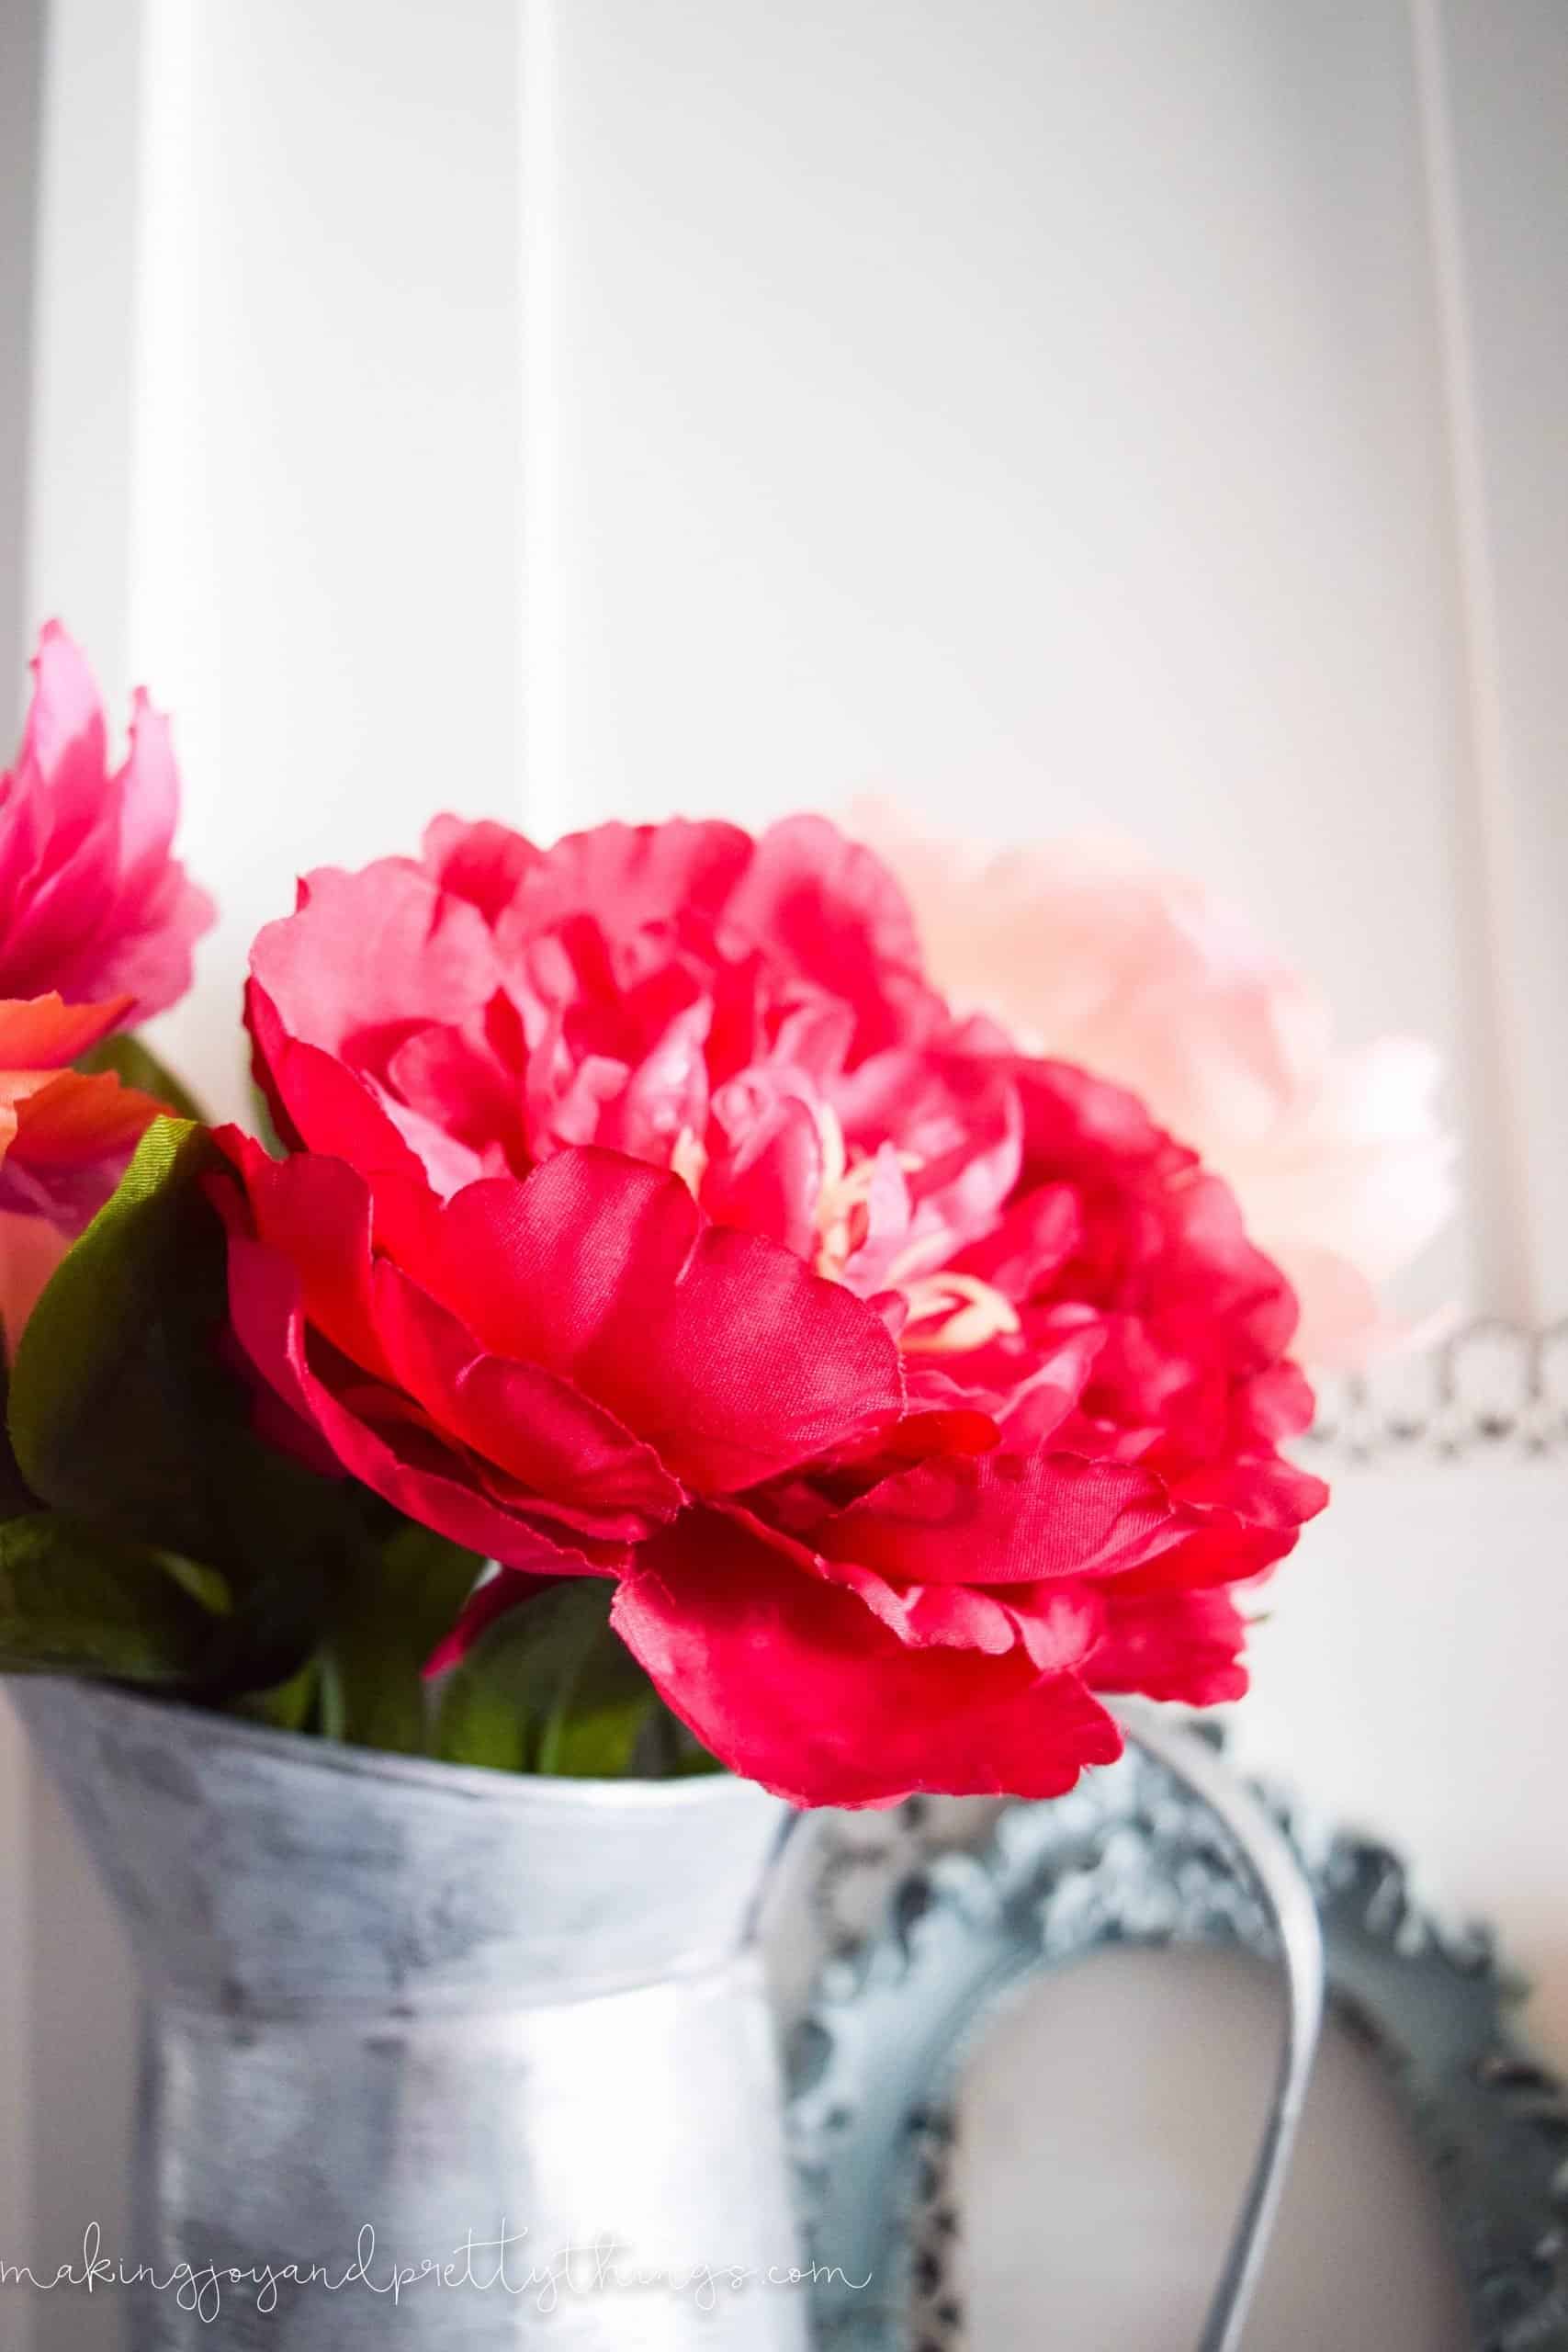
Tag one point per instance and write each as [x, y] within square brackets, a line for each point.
[650, 1329]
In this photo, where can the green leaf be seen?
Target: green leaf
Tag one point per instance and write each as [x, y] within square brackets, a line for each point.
[548, 1687]
[387, 1616]
[689, 1760]
[75, 1600]
[591, 1731]
[121, 1412]
[16, 1498]
[287, 1707]
[264, 1127]
[668, 1749]
[135, 1064]
[99, 1385]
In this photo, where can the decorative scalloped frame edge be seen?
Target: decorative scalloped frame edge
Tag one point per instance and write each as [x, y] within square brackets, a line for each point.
[1129, 1859]
[1490, 1386]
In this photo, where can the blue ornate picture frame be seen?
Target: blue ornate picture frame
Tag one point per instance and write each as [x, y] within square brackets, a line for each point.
[1133, 1857]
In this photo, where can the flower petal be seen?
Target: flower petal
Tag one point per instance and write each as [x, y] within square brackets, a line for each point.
[318, 1101]
[70, 1138]
[1181, 1645]
[96, 906]
[45, 1033]
[1000, 1517]
[484, 863]
[720, 1350]
[267, 1305]
[538, 1428]
[563, 1450]
[794, 1683]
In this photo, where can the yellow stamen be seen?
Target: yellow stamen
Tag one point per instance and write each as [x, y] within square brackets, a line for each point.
[845, 1189]
[972, 1313]
[689, 1161]
[963, 1311]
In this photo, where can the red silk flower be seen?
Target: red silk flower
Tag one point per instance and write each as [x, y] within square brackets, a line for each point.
[648, 1215]
[97, 926]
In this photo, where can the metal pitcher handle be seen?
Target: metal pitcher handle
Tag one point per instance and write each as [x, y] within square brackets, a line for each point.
[852, 2108]
[1282, 1890]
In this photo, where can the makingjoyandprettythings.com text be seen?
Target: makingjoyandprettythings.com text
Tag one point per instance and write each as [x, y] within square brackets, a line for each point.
[594, 2264]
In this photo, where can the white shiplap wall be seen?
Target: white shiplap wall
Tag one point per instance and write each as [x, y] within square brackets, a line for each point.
[1094, 411]
[21, 29]
[277, 475]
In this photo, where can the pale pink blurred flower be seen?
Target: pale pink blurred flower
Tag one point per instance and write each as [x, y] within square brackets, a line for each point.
[1089, 951]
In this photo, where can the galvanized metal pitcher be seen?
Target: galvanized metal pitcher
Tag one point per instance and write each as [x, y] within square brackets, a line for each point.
[448, 2059]
[435, 2057]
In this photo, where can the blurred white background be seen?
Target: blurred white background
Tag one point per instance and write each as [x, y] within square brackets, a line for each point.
[1043, 412]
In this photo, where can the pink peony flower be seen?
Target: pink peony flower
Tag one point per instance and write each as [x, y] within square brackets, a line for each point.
[96, 926]
[1088, 950]
[93, 907]
[647, 1215]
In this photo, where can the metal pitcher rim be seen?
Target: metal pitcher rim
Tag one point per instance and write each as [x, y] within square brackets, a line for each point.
[521, 1790]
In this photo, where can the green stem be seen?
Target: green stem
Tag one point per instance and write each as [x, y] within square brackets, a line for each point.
[332, 1700]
